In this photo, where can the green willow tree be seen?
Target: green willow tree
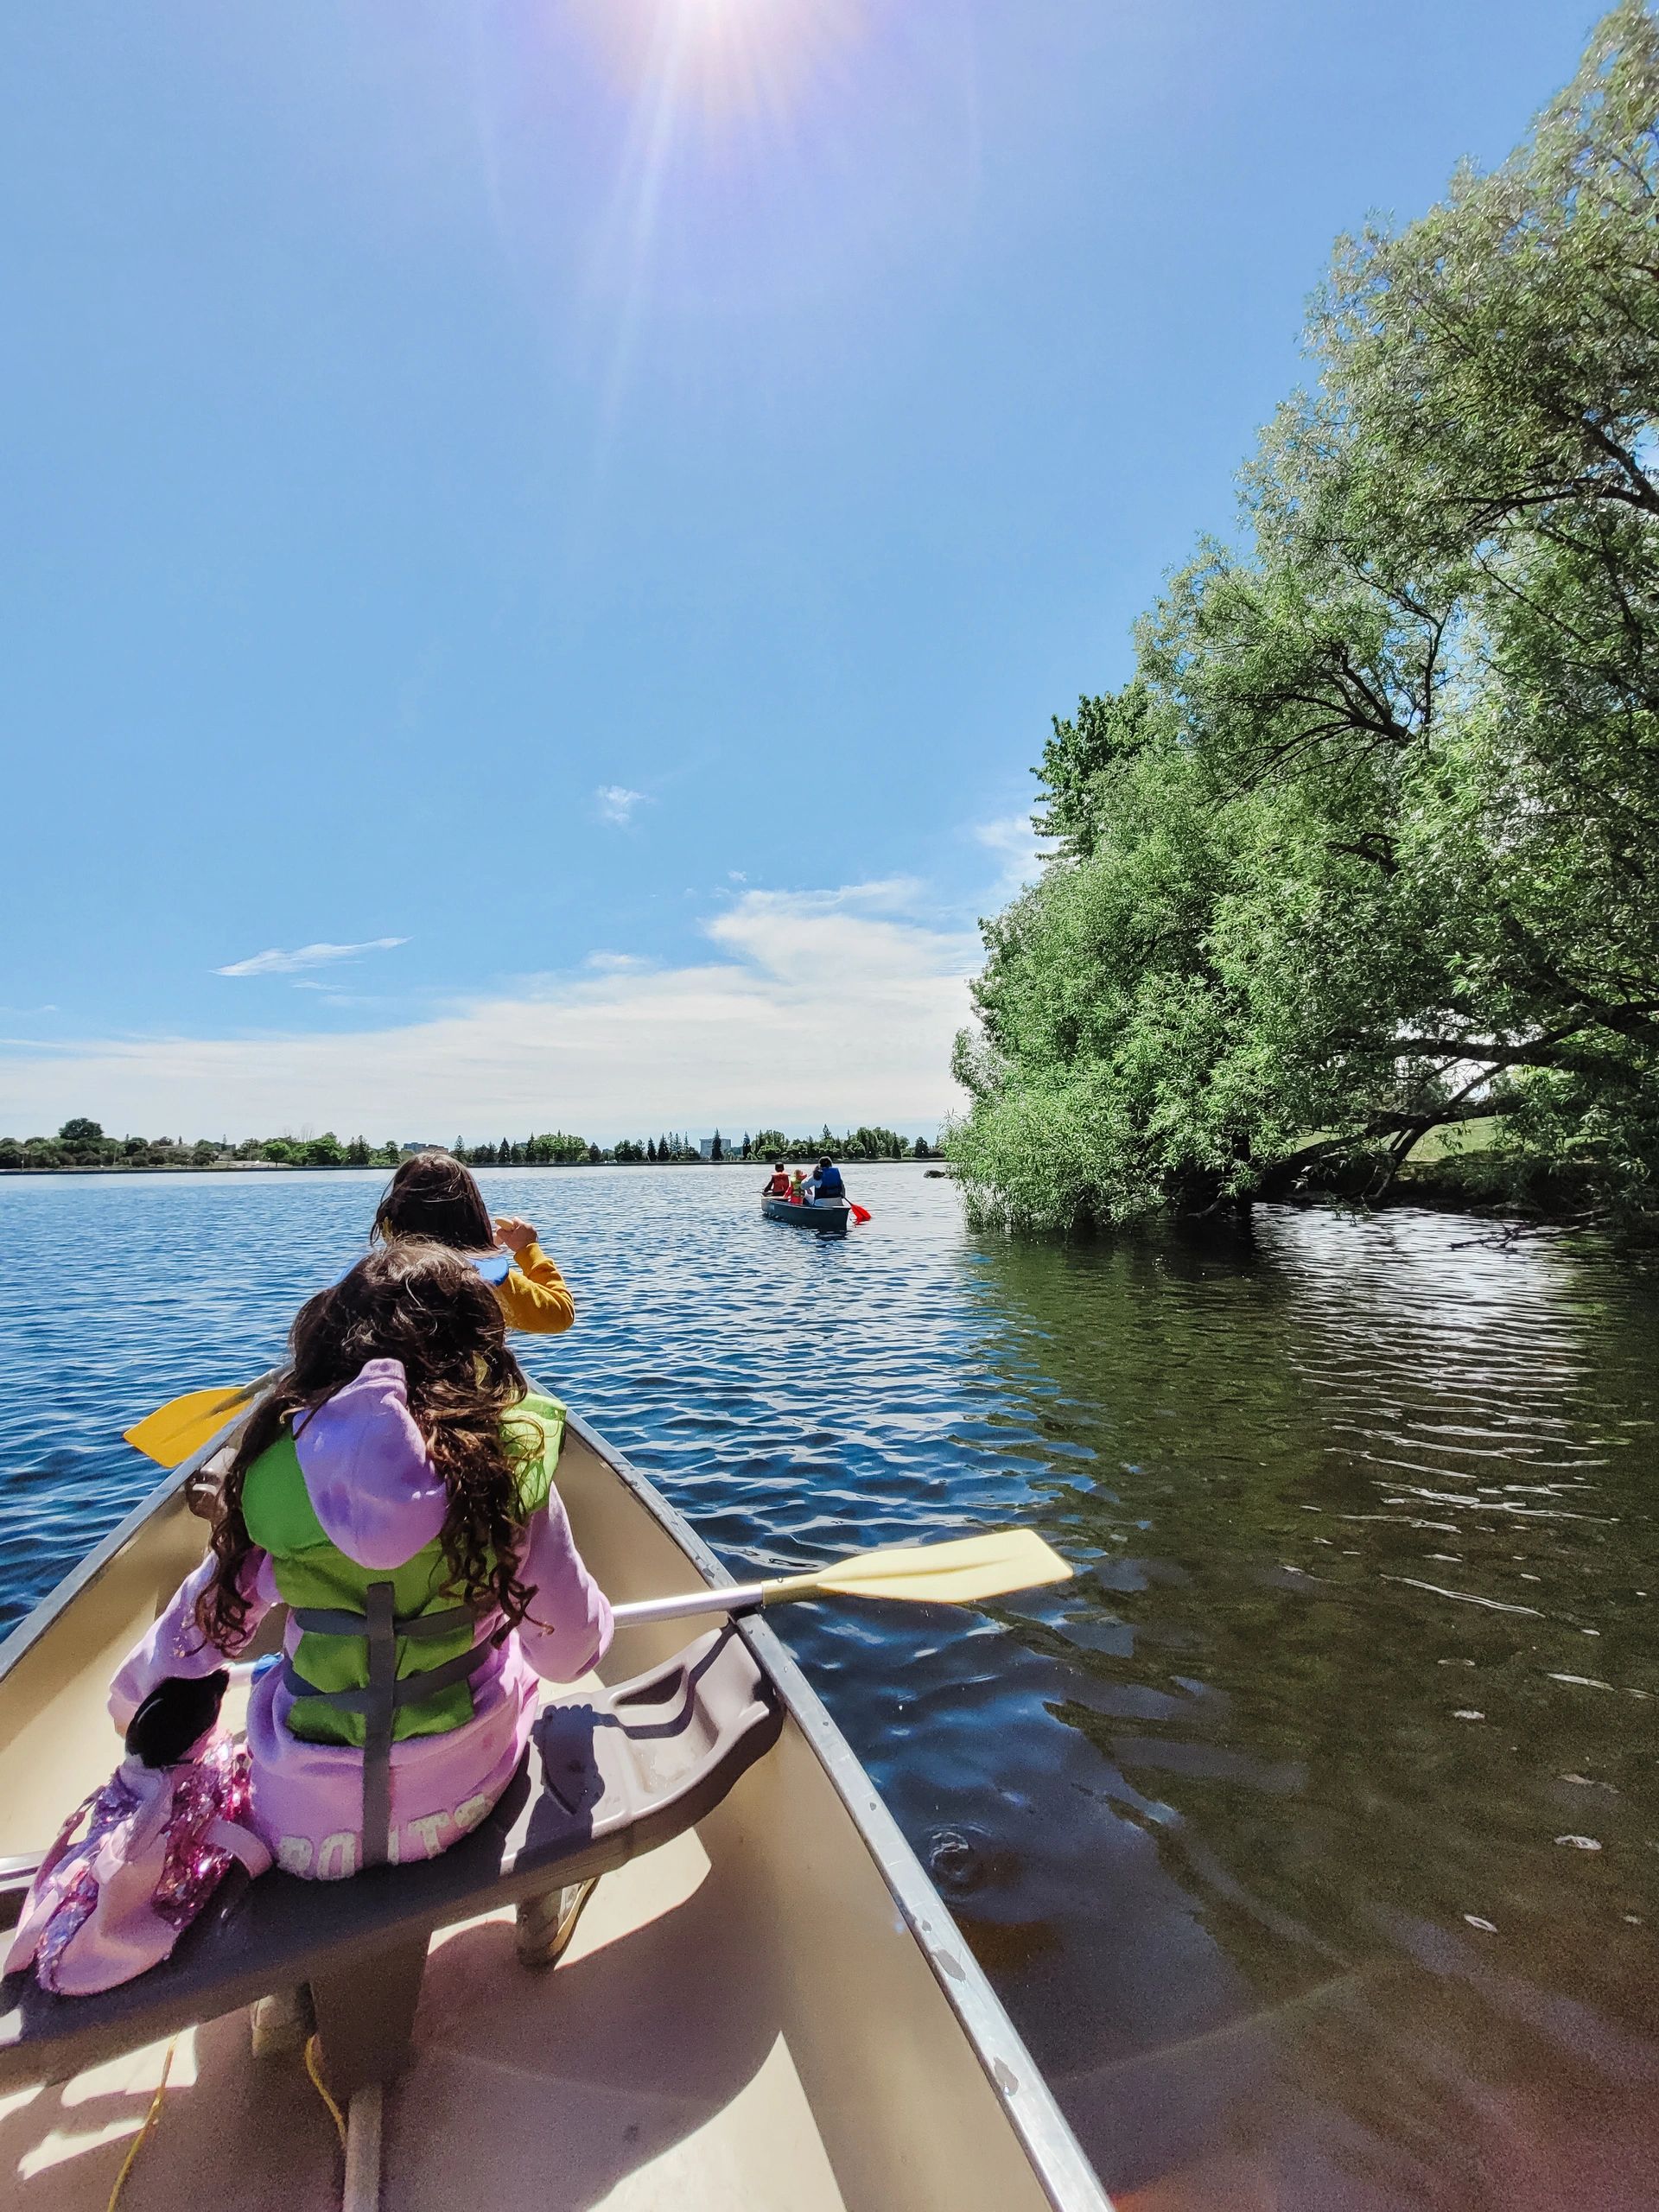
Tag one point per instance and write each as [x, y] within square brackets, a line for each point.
[1369, 845]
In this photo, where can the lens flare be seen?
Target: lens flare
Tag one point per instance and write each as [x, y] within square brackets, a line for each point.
[723, 58]
[718, 159]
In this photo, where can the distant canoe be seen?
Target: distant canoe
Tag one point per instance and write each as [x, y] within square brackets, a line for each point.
[829, 1216]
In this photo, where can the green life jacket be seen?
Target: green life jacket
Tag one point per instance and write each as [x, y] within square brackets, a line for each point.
[382, 1655]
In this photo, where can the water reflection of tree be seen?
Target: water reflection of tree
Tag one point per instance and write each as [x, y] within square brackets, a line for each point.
[1279, 1712]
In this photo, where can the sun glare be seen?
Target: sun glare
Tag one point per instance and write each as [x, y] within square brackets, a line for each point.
[723, 58]
[751, 148]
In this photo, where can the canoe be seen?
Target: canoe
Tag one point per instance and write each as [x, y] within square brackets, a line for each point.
[829, 1216]
[772, 2010]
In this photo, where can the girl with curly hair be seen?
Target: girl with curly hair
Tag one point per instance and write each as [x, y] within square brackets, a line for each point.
[434, 1196]
[394, 1488]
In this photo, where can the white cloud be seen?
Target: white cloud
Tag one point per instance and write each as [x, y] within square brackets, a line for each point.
[834, 1005]
[1018, 850]
[278, 963]
[617, 803]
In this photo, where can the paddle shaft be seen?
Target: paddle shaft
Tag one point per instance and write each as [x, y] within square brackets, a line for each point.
[735, 1597]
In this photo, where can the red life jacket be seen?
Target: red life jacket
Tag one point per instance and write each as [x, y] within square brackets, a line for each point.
[779, 1187]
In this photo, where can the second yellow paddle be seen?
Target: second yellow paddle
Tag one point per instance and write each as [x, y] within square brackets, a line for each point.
[962, 1571]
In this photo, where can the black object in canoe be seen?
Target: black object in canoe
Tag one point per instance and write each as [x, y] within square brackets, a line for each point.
[829, 1216]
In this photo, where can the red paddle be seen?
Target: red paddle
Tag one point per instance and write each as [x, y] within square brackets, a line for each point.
[859, 1213]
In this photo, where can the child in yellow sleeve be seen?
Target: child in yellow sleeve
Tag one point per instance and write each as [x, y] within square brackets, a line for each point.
[433, 1195]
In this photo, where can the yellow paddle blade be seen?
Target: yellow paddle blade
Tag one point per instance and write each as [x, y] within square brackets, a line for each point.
[956, 1573]
[173, 1431]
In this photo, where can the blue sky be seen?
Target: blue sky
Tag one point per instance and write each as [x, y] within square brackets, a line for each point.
[544, 534]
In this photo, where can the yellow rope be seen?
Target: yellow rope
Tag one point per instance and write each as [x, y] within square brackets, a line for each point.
[142, 2136]
[312, 2066]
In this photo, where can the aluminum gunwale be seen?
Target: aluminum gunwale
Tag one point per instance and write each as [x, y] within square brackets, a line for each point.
[1057, 2157]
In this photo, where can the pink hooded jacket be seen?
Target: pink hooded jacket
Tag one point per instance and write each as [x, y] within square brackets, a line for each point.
[379, 1498]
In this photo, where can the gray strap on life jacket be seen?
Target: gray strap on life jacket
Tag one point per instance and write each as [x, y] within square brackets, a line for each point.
[321, 1620]
[380, 1627]
[382, 1631]
[411, 1690]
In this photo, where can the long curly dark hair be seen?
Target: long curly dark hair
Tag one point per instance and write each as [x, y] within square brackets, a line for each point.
[417, 1302]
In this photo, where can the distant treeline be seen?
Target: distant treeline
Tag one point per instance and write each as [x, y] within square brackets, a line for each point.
[862, 1143]
[855, 1144]
[82, 1143]
[673, 1147]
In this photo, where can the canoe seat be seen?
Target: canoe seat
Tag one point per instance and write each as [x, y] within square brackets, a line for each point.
[610, 1775]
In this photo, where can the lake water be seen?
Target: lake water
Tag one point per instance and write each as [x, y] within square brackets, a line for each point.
[1311, 1835]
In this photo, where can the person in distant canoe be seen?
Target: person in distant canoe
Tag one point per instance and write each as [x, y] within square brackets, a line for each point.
[827, 1183]
[777, 1184]
[434, 1195]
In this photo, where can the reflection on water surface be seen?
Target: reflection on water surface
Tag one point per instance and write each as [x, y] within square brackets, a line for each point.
[1368, 1678]
[1310, 1834]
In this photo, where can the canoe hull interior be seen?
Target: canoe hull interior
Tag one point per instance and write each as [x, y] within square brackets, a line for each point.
[774, 2009]
[829, 1220]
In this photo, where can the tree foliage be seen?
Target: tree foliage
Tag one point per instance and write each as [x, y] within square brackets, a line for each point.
[1369, 844]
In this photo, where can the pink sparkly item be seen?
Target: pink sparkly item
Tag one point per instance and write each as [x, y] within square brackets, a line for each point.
[112, 1895]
